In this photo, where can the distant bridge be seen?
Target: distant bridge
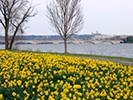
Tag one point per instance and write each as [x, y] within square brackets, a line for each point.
[47, 42]
[75, 41]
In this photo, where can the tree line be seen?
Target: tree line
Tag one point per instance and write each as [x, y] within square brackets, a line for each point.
[65, 16]
[129, 39]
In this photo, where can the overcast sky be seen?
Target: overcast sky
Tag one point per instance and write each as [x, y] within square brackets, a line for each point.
[106, 16]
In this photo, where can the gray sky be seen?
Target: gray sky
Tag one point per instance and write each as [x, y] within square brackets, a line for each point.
[106, 16]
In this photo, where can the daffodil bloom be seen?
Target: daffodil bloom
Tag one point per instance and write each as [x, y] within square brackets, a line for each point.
[26, 75]
[14, 94]
[19, 82]
[1, 96]
[76, 86]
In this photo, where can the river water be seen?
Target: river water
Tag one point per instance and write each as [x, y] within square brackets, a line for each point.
[120, 50]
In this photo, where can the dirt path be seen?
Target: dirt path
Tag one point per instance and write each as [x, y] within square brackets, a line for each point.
[127, 63]
[124, 62]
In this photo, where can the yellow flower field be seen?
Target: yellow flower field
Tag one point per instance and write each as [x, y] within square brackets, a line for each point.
[31, 76]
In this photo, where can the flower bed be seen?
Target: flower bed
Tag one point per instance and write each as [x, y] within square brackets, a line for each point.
[31, 76]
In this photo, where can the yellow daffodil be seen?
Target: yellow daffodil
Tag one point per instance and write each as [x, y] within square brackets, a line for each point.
[14, 94]
[1, 96]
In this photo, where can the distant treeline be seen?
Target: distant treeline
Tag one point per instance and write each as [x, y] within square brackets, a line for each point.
[44, 37]
[129, 39]
[54, 37]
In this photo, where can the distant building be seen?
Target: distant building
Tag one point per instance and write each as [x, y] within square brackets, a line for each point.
[97, 33]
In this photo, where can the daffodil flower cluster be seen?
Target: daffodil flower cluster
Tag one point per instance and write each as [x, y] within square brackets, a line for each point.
[32, 76]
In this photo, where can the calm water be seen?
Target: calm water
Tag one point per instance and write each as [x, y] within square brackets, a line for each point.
[122, 50]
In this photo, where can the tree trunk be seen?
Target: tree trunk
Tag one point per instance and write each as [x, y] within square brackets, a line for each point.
[11, 43]
[6, 39]
[13, 37]
[65, 45]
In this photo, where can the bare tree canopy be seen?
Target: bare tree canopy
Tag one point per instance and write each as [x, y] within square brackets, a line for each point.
[13, 15]
[66, 18]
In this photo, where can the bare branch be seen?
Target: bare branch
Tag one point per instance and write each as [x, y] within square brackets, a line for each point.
[13, 16]
[66, 17]
[2, 23]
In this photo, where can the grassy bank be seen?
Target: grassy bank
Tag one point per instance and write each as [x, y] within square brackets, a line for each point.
[83, 55]
[122, 60]
[95, 56]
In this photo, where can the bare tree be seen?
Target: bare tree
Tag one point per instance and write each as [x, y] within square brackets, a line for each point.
[66, 18]
[13, 15]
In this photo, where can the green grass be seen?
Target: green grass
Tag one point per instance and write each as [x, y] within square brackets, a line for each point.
[83, 55]
[95, 56]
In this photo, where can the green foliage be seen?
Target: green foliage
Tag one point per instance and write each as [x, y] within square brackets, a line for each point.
[129, 39]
